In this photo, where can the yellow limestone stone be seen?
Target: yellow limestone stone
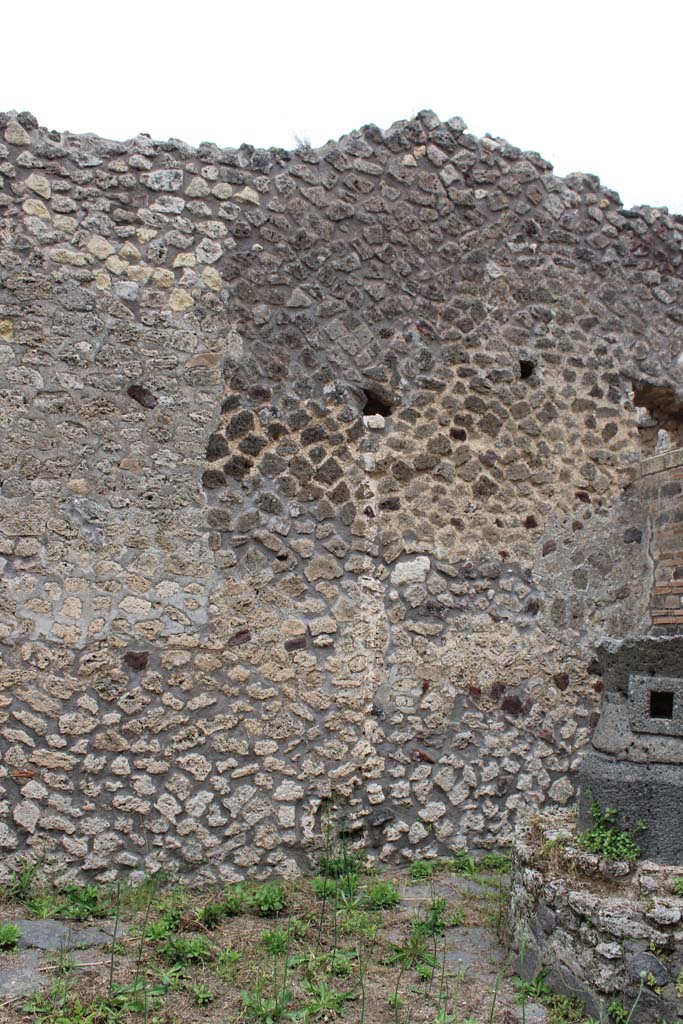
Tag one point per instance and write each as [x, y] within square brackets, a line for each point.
[102, 279]
[6, 330]
[185, 259]
[67, 225]
[115, 265]
[163, 278]
[141, 273]
[100, 247]
[36, 208]
[198, 188]
[39, 183]
[130, 251]
[76, 259]
[212, 278]
[16, 135]
[180, 300]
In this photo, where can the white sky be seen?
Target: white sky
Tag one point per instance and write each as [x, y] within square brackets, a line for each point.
[592, 86]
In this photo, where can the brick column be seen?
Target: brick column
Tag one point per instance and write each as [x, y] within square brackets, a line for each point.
[662, 483]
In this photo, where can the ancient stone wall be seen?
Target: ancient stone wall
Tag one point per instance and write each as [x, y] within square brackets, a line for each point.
[319, 487]
[603, 931]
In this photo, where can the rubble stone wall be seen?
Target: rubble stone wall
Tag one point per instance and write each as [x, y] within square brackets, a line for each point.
[605, 932]
[320, 485]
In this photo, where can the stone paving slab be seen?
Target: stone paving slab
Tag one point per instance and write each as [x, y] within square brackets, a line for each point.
[533, 1013]
[21, 976]
[54, 936]
[20, 972]
[451, 886]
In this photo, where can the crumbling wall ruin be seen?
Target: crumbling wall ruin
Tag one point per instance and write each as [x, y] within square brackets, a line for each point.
[320, 484]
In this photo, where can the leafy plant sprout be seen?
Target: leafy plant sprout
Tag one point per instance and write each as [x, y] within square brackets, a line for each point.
[606, 839]
[9, 936]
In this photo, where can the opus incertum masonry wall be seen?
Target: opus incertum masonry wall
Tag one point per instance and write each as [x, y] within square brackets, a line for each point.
[320, 485]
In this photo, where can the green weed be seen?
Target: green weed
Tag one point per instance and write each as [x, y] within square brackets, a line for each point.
[177, 949]
[537, 988]
[9, 937]
[605, 839]
[268, 899]
[421, 869]
[382, 896]
[202, 995]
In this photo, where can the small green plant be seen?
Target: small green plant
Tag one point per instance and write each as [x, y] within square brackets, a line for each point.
[324, 887]
[679, 984]
[265, 1009]
[341, 962]
[157, 930]
[382, 896]
[425, 972]
[202, 995]
[63, 960]
[463, 863]
[606, 839]
[323, 999]
[434, 922]
[21, 881]
[420, 869]
[268, 899]
[359, 923]
[498, 863]
[617, 1012]
[537, 988]
[9, 936]
[678, 886]
[170, 978]
[415, 950]
[339, 890]
[336, 864]
[177, 949]
[275, 941]
[211, 915]
[565, 1010]
[226, 963]
[83, 901]
[234, 899]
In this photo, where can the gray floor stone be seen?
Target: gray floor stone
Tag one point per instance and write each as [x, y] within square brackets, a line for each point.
[533, 1013]
[63, 935]
[20, 976]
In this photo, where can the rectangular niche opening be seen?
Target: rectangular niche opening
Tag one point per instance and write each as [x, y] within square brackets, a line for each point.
[661, 704]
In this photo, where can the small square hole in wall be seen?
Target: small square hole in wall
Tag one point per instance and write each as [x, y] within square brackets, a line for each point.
[526, 368]
[661, 704]
[374, 405]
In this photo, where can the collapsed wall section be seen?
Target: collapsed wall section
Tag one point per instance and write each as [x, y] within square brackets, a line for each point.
[320, 487]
